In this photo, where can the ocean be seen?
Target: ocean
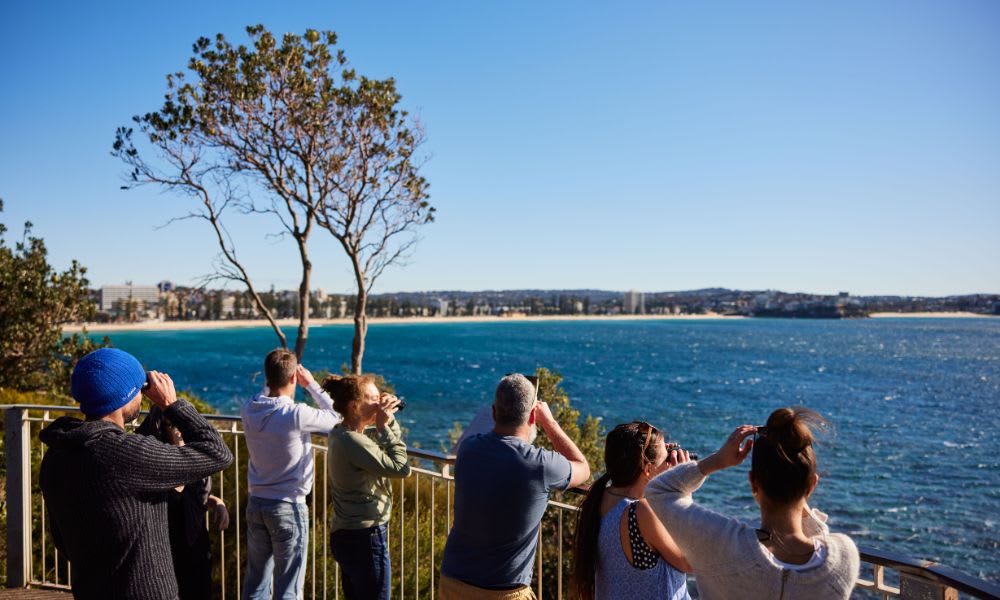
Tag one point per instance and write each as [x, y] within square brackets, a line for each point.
[912, 465]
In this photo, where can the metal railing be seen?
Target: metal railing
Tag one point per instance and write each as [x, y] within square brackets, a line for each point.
[417, 533]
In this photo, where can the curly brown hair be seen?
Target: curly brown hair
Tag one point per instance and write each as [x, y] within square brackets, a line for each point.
[345, 389]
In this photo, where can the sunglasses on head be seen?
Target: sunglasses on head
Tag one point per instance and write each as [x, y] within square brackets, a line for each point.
[651, 430]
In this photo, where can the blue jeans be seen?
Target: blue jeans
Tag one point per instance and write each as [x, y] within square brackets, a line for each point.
[363, 555]
[277, 543]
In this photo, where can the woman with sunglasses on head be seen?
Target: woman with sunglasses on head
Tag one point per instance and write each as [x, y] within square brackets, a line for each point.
[792, 554]
[622, 550]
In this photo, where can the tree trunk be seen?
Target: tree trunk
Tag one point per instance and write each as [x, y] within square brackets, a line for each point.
[303, 334]
[259, 303]
[230, 256]
[360, 331]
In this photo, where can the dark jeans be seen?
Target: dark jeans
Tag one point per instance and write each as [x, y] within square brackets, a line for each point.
[363, 555]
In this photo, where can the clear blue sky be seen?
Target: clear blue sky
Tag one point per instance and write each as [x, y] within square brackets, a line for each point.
[664, 145]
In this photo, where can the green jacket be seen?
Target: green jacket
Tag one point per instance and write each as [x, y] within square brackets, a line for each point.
[360, 466]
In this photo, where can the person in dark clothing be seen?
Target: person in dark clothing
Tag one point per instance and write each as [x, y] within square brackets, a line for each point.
[187, 504]
[106, 490]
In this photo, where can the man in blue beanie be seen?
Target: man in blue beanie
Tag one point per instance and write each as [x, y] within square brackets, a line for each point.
[106, 489]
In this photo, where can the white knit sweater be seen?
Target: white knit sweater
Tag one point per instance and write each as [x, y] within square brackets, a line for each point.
[727, 559]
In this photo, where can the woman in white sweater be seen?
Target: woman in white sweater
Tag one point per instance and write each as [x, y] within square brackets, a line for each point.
[792, 554]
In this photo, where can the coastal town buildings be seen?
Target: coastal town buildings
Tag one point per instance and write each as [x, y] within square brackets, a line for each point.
[166, 301]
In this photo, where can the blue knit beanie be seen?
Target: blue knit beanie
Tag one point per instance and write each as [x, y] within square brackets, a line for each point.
[106, 380]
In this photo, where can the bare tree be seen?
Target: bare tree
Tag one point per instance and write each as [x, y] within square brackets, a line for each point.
[252, 129]
[379, 198]
[183, 171]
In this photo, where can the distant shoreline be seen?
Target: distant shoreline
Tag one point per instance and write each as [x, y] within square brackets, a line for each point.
[245, 323]
[248, 323]
[929, 315]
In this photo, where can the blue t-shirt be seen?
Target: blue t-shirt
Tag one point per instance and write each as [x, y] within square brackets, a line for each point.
[502, 486]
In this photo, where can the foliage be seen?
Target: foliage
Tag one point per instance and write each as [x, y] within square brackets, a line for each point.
[381, 197]
[67, 353]
[35, 301]
[587, 436]
[454, 434]
[12, 396]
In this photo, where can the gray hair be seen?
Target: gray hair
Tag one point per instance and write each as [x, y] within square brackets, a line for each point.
[513, 401]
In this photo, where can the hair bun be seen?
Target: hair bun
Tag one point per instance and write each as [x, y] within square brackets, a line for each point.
[792, 429]
[784, 462]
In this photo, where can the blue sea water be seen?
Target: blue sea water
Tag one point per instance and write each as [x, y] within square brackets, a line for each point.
[913, 465]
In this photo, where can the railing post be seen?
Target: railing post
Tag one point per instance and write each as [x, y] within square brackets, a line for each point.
[17, 440]
[913, 587]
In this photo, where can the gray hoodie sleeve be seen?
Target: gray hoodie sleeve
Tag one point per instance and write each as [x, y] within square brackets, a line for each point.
[706, 537]
[315, 420]
[320, 396]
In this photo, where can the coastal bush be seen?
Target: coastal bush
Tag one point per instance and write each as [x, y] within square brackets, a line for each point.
[35, 301]
[587, 435]
[10, 396]
[557, 529]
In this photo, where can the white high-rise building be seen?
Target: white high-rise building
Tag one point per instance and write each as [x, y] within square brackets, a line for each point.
[635, 302]
[145, 295]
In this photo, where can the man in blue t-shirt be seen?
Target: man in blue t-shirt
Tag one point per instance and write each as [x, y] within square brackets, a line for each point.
[502, 485]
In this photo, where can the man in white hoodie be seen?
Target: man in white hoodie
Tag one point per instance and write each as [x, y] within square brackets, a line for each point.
[280, 473]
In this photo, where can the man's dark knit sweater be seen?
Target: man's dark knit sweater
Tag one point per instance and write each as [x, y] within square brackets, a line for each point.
[106, 494]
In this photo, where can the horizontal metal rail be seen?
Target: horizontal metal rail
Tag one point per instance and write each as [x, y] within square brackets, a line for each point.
[421, 502]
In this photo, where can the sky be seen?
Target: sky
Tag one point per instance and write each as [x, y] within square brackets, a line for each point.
[800, 146]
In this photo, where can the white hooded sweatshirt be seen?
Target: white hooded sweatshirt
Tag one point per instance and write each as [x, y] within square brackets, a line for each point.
[278, 433]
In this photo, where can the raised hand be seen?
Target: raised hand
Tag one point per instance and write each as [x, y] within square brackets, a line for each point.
[387, 407]
[544, 418]
[304, 376]
[676, 456]
[161, 390]
[221, 516]
[732, 452]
